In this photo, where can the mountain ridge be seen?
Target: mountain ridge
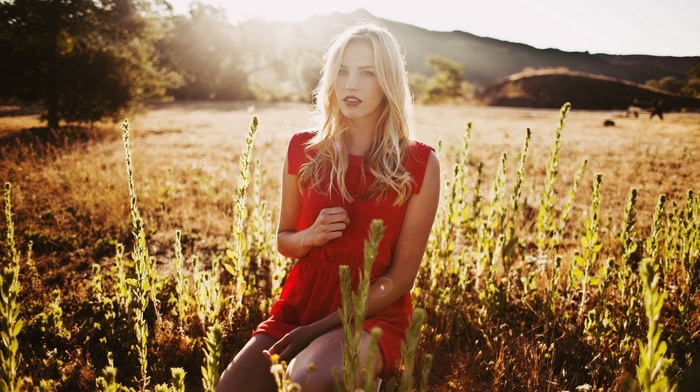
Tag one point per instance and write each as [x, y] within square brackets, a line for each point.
[490, 65]
[488, 60]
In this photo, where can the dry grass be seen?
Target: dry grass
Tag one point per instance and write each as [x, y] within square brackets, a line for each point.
[70, 195]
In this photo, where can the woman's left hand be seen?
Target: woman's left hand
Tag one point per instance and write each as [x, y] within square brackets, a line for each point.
[292, 343]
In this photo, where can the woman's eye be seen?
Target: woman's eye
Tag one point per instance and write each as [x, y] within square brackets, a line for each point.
[367, 73]
[342, 72]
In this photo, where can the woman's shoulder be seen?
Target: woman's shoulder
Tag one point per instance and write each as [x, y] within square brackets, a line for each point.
[417, 162]
[419, 152]
[301, 138]
[296, 152]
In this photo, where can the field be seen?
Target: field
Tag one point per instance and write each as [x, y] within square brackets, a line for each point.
[539, 276]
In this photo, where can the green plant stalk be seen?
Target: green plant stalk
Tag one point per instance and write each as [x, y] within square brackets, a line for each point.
[553, 286]
[460, 188]
[591, 244]
[181, 292]
[451, 221]
[689, 255]
[353, 311]
[145, 265]
[162, 388]
[425, 372]
[628, 285]
[510, 240]
[45, 386]
[212, 357]
[628, 245]
[237, 251]
[142, 333]
[122, 286]
[489, 241]
[96, 283]
[568, 205]
[12, 256]
[599, 324]
[145, 271]
[651, 245]
[408, 350]
[178, 375]
[262, 244]
[10, 321]
[545, 216]
[477, 207]
[653, 368]
[52, 319]
[108, 381]
[207, 292]
[370, 371]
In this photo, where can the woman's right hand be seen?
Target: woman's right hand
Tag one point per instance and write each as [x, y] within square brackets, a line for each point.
[329, 224]
[292, 343]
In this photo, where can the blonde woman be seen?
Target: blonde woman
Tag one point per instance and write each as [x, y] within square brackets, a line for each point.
[360, 163]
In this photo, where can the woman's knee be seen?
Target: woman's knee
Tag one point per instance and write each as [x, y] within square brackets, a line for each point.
[319, 367]
[250, 368]
[312, 378]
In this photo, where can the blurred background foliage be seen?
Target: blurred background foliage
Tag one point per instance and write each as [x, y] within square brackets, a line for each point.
[83, 61]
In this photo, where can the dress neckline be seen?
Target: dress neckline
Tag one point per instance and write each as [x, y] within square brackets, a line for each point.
[355, 160]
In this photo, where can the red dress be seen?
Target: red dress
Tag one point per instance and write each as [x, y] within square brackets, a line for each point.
[312, 289]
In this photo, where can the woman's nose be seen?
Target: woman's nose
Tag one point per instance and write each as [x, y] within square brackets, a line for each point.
[351, 83]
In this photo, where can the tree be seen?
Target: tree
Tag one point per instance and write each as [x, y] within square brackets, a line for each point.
[447, 83]
[206, 49]
[668, 84]
[692, 87]
[82, 60]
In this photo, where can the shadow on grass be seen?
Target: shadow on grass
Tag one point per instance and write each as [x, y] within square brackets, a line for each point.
[44, 142]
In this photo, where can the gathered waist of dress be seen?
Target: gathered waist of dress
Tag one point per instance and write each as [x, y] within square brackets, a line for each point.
[333, 258]
[324, 259]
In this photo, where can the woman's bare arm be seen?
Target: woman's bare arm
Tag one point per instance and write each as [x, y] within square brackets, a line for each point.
[329, 224]
[410, 246]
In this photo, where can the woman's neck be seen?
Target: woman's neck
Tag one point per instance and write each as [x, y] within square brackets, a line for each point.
[359, 140]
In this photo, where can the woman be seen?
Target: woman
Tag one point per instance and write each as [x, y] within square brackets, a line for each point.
[362, 163]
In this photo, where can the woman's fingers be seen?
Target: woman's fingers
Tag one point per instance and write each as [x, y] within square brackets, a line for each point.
[333, 215]
[330, 224]
[278, 346]
[282, 347]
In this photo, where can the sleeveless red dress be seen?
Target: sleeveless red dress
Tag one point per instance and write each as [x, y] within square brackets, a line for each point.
[312, 289]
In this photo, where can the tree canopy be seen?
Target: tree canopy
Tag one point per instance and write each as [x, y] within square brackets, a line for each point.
[448, 81]
[82, 60]
[206, 49]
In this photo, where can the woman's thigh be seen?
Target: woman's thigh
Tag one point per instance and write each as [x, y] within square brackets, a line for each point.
[318, 366]
[250, 369]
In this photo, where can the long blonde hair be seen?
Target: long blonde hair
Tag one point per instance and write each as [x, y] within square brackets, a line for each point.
[395, 128]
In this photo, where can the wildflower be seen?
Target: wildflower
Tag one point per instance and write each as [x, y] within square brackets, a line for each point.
[294, 387]
[277, 368]
[311, 368]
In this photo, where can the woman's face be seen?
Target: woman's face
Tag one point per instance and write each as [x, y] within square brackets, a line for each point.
[356, 85]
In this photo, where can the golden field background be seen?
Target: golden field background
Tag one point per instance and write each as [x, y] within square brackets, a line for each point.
[187, 154]
[70, 194]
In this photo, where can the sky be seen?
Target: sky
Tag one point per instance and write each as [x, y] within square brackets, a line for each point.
[651, 27]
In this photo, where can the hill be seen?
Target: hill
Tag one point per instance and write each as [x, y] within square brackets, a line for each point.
[488, 60]
[548, 89]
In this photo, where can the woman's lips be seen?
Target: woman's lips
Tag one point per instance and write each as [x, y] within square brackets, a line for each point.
[352, 100]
